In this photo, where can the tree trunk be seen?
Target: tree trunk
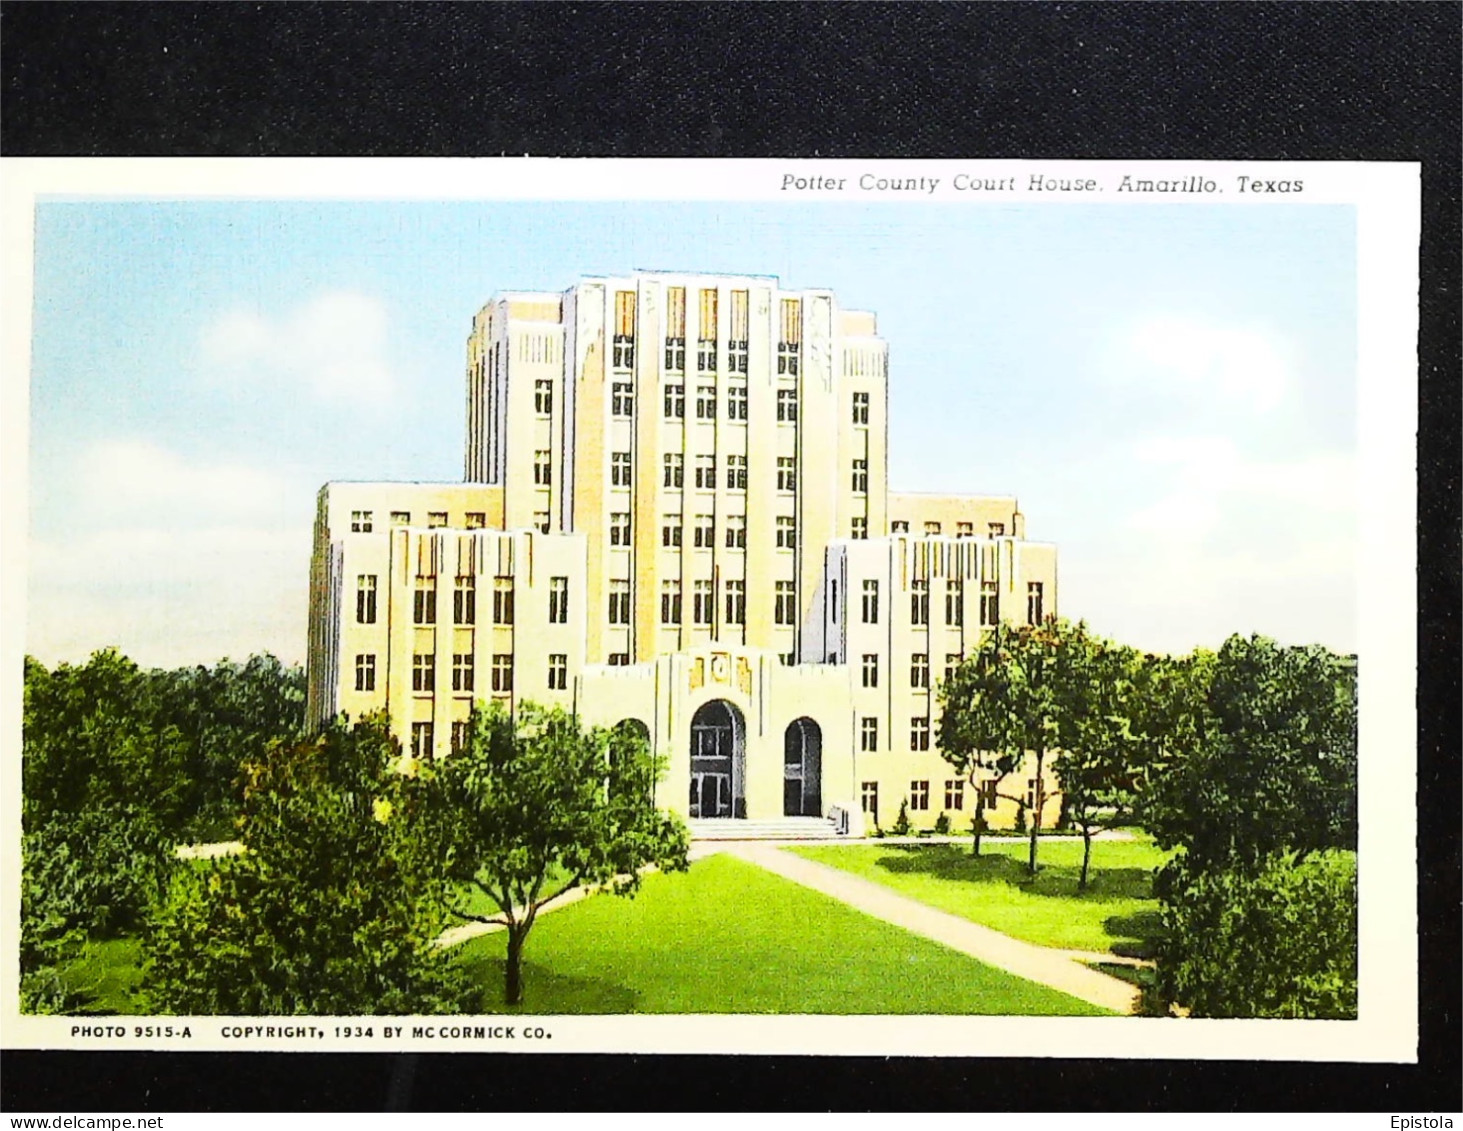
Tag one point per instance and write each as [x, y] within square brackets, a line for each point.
[513, 971]
[1086, 856]
[977, 826]
[1040, 799]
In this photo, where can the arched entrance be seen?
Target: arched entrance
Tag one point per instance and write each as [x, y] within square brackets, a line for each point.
[802, 769]
[718, 761]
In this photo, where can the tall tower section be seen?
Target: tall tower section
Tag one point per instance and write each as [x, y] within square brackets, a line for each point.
[708, 434]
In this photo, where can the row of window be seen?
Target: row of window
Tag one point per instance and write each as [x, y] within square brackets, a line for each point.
[464, 600]
[424, 672]
[784, 602]
[962, 529]
[364, 522]
[673, 402]
[919, 603]
[919, 796]
[674, 471]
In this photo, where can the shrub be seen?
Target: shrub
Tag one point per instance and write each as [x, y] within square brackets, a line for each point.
[901, 822]
[942, 824]
[1277, 941]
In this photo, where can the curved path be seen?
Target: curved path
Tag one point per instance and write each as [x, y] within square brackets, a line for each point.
[1054, 968]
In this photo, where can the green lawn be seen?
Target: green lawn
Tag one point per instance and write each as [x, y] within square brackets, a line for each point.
[728, 937]
[106, 977]
[1116, 912]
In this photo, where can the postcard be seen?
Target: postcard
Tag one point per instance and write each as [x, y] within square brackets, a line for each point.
[950, 608]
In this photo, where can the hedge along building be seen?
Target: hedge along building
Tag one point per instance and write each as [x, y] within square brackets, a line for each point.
[675, 516]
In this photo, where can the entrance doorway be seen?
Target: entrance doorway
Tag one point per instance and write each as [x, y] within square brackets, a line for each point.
[802, 769]
[718, 761]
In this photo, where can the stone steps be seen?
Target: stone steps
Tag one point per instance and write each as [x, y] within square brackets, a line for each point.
[782, 828]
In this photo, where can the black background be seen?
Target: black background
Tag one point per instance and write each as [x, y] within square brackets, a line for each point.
[1274, 81]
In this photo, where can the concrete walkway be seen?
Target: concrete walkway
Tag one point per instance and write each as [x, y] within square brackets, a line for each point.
[1050, 967]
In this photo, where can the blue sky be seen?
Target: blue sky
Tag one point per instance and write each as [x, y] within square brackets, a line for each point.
[1169, 390]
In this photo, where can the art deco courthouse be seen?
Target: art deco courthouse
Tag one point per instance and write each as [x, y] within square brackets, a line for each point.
[675, 515]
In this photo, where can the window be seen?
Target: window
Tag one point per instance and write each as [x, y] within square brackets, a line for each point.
[954, 602]
[987, 798]
[786, 532]
[624, 343]
[736, 532]
[670, 602]
[919, 602]
[558, 671]
[919, 670]
[736, 601]
[675, 399]
[919, 733]
[952, 661]
[736, 473]
[859, 528]
[1033, 602]
[366, 599]
[860, 477]
[541, 521]
[871, 669]
[705, 402]
[675, 329]
[964, 530]
[436, 519]
[670, 530]
[675, 470]
[706, 472]
[871, 602]
[787, 406]
[543, 396]
[619, 659]
[558, 600]
[421, 740]
[788, 658]
[861, 408]
[869, 798]
[868, 734]
[622, 398]
[736, 347]
[736, 398]
[932, 528]
[1031, 793]
[401, 518]
[706, 333]
[465, 601]
[619, 602]
[919, 796]
[701, 606]
[899, 526]
[361, 522]
[705, 532]
[619, 469]
[619, 528]
[541, 474]
[459, 736]
[787, 473]
[462, 671]
[366, 672]
[476, 520]
[502, 600]
[955, 794]
[423, 671]
[790, 338]
[995, 529]
[783, 606]
[502, 671]
[424, 602]
[990, 604]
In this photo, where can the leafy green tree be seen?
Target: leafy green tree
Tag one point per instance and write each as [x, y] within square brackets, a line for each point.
[336, 905]
[536, 805]
[1269, 765]
[1001, 705]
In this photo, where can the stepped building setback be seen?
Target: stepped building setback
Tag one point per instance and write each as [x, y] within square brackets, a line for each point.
[675, 516]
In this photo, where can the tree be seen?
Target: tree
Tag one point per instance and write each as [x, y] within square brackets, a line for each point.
[535, 805]
[1001, 705]
[1098, 686]
[337, 903]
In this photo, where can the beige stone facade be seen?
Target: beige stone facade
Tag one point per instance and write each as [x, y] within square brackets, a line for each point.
[675, 501]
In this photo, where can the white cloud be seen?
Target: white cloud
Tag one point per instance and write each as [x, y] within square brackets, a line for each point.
[172, 560]
[1199, 359]
[333, 347]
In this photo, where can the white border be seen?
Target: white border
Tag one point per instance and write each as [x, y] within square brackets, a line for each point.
[1387, 202]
